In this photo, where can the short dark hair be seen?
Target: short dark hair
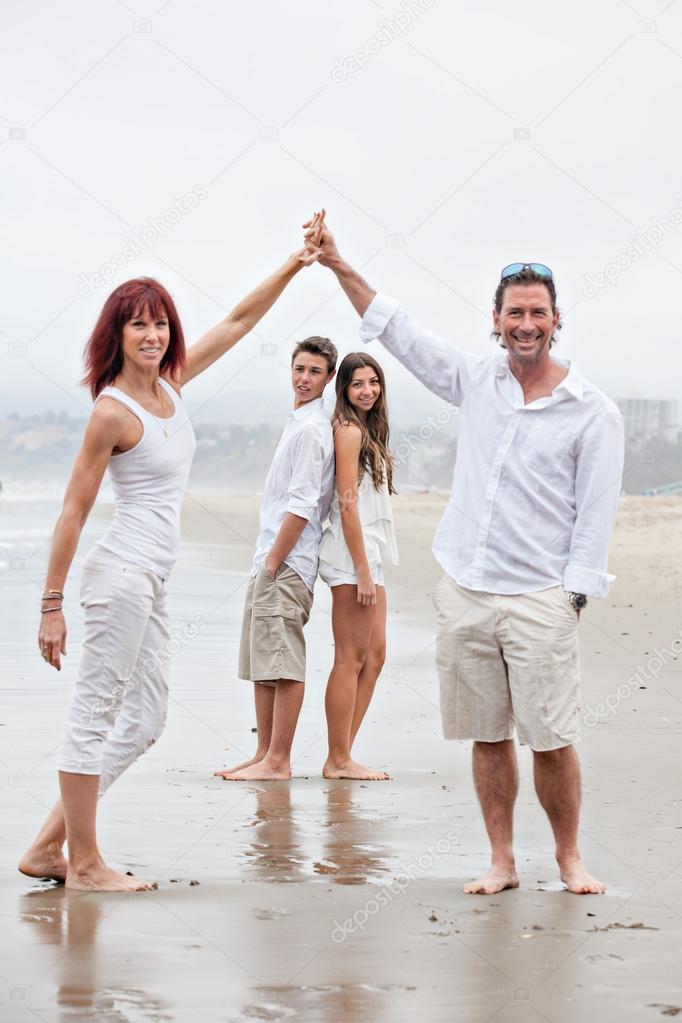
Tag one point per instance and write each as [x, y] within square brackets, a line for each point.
[316, 345]
[526, 277]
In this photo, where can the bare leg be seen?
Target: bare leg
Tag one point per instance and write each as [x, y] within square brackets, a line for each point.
[45, 858]
[352, 624]
[371, 669]
[87, 871]
[264, 698]
[496, 777]
[557, 783]
[276, 764]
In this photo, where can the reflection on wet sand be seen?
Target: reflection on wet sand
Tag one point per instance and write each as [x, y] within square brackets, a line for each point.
[71, 920]
[297, 842]
[274, 851]
[351, 854]
[326, 1003]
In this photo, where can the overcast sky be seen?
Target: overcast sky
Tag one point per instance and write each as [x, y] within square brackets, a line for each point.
[445, 140]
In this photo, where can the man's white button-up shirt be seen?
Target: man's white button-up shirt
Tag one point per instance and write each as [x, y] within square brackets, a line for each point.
[300, 481]
[536, 486]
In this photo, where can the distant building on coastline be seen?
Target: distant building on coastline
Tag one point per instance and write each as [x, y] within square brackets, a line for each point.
[649, 417]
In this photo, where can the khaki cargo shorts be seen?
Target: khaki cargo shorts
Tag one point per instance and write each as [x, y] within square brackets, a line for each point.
[506, 661]
[272, 643]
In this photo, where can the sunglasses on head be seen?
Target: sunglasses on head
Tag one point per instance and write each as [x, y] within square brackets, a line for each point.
[516, 268]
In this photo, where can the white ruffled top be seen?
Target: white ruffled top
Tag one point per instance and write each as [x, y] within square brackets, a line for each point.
[376, 518]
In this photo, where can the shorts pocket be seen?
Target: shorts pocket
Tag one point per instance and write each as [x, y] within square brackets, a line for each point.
[270, 629]
[566, 605]
[443, 593]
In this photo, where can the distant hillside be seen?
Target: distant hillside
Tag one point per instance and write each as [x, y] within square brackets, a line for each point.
[40, 449]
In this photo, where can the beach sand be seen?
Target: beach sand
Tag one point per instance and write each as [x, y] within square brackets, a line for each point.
[342, 901]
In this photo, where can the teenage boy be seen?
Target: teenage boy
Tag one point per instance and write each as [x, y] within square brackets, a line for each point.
[296, 500]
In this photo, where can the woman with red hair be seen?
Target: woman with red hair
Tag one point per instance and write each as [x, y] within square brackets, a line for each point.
[136, 364]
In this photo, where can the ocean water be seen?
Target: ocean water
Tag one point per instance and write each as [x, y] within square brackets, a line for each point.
[28, 513]
[27, 516]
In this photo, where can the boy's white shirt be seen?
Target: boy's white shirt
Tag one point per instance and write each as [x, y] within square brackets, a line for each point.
[301, 481]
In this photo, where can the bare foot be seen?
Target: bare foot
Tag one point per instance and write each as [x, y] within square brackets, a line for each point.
[42, 861]
[351, 769]
[264, 770]
[496, 880]
[579, 881]
[226, 772]
[103, 879]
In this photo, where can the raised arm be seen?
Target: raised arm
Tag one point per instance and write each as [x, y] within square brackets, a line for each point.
[347, 443]
[438, 363]
[241, 320]
[245, 315]
[322, 246]
[106, 428]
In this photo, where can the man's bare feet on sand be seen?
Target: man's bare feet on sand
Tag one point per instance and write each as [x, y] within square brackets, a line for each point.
[578, 880]
[100, 878]
[44, 861]
[352, 770]
[228, 771]
[265, 770]
[496, 880]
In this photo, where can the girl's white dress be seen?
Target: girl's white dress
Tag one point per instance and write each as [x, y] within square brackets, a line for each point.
[376, 517]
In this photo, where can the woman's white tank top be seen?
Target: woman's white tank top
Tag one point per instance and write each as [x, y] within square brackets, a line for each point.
[148, 482]
[378, 531]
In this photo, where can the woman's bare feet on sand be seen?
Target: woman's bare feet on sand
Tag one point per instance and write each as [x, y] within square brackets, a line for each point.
[353, 771]
[44, 862]
[496, 880]
[100, 878]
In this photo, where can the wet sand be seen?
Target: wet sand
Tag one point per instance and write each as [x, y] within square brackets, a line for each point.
[342, 901]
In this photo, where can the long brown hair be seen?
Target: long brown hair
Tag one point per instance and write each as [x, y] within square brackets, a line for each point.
[375, 456]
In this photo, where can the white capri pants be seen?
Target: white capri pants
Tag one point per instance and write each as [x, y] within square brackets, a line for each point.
[120, 701]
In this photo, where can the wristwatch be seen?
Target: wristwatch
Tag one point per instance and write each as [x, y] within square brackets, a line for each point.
[578, 600]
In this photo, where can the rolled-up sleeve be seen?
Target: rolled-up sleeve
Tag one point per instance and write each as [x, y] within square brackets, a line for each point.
[305, 486]
[438, 363]
[598, 483]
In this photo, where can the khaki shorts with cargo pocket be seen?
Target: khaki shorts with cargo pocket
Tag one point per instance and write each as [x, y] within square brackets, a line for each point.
[272, 643]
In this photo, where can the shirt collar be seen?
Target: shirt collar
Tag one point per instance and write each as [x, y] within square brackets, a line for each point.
[306, 410]
[572, 382]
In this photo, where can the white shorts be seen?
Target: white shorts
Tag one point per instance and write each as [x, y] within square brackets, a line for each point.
[339, 577]
[120, 699]
[505, 661]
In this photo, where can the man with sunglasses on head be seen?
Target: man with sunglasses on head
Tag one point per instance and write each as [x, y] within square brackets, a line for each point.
[523, 543]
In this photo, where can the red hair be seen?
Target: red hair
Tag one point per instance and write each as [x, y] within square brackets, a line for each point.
[104, 350]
